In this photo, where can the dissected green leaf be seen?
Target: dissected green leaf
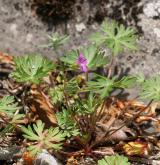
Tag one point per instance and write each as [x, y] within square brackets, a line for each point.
[55, 135]
[72, 86]
[29, 133]
[87, 106]
[31, 68]
[43, 138]
[126, 82]
[57, 94]
[11, 109]
[101, 85]
[140, 78]
[114, 160]
[94, 57]
[66, 123]
[56, 40]
[116, 37]
[70, 58]
[98, 38]
[7, 129]
[151, 88]
[8, 105]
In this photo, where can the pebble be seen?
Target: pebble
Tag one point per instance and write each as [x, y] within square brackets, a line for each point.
[152, 9]
[29, 37]
[13, 29]
[80, 27]
[157, 32]
[46, 158]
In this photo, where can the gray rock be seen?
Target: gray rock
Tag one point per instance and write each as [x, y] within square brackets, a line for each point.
[157, 32]
[80, 27]
[152, 9]
[9, 152]
[45, 158]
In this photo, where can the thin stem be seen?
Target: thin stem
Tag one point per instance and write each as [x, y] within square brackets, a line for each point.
[93, 117]
[110, 67]
[66, 99]
[24, 95]
[86, 74]
[101, 110]
[65, 94]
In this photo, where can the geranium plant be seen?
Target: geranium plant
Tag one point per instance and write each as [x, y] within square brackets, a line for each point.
[64, 105]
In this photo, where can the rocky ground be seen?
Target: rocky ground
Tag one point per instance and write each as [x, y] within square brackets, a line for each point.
[22, 31]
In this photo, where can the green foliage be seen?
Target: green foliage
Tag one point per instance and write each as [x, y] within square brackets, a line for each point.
[72, 86]
[31, 68]
[11, 109]
[43, 138]
[101, 85]
[70, 58]
[9, 128]
[67, 123]
[57, 94]
[56, 40]
[151, 88]
[94, 57]
[87, 106]
[12, 124]
[126, 82]
[114, 160]
[104, 85]
[140, 78]
[76, 95]
[8, 105]
[116, 37]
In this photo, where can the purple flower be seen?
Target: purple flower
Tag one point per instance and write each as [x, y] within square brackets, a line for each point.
[82, 63]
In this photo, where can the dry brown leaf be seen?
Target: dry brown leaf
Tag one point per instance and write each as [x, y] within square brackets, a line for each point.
[5, 58]
[157, 125]
[145, 118]
[72, 161]
[115, 108]
[136, 148]
[130, 108]
[109, 125]
[114, 131]
[109, 110]
[6, 63]
[40, 104]
[153, 107]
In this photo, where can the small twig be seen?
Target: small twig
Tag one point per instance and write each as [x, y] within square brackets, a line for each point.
[81, 152]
